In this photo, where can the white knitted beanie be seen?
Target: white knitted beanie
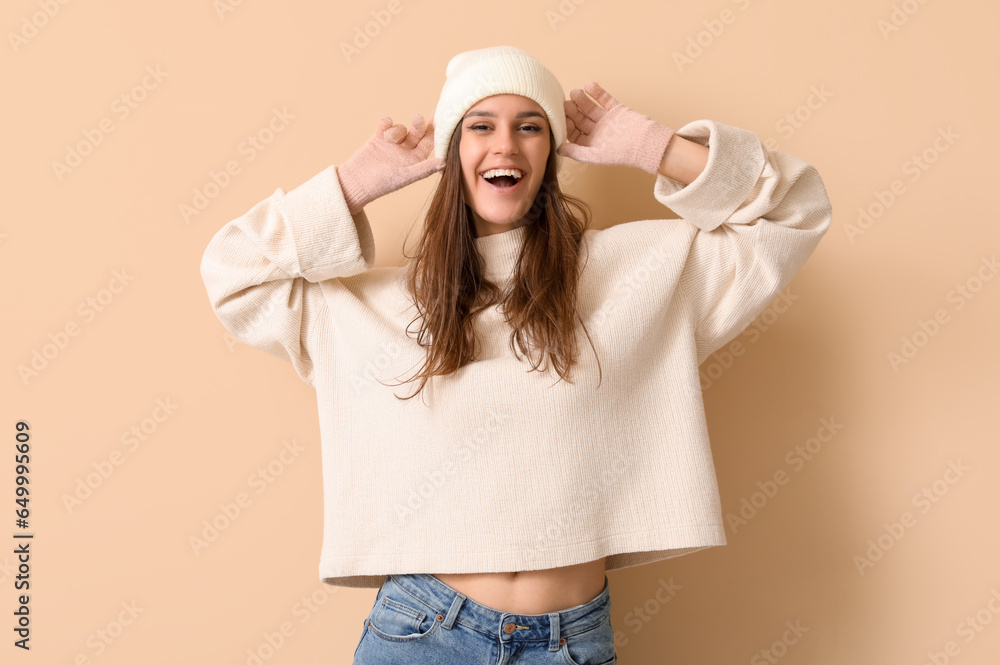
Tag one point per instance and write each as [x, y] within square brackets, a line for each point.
[496, 70]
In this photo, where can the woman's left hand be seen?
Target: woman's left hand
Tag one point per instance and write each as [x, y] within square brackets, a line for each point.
[608, 132]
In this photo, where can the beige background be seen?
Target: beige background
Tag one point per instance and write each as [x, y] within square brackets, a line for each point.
[826, 355]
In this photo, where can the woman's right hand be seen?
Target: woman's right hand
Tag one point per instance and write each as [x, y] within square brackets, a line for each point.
[390, 159]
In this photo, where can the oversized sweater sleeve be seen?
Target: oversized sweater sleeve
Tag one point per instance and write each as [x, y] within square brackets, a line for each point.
[758, 215]
[262, 270]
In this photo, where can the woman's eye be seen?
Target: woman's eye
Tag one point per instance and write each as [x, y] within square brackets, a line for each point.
[533, 128]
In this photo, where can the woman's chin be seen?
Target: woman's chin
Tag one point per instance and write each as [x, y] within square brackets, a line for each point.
[502, 219]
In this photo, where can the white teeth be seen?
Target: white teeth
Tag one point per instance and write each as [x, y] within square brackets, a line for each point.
[492, 173]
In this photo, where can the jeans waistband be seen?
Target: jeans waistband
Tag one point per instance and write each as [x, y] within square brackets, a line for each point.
[507, 626]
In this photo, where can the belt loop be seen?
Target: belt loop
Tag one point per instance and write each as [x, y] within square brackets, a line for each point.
[553, 631]
[456, 604]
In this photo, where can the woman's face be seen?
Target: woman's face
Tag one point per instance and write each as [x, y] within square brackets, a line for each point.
[503, 131]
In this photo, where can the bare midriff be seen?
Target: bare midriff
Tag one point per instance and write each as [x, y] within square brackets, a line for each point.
[531, 591]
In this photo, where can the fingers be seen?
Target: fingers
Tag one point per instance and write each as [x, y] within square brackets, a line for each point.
[571, 111]
[574, 120]
[408, 139]
[423, 169]
[427, 141]
[587, 107]
[434, 164]
[395, 134]
[417, 133]
[573, 151]
[572, 133]
[390, 132]
[584, 112]
[587, 111]
[600, 94]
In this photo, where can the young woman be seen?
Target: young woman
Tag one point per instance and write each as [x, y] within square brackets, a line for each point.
[488, 512]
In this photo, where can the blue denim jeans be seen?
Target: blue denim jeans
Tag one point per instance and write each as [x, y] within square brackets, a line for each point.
[418, 618]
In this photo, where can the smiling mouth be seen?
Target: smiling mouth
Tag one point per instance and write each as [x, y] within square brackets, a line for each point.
[504, 184]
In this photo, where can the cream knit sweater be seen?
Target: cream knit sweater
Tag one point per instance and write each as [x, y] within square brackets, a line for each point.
[495, 468]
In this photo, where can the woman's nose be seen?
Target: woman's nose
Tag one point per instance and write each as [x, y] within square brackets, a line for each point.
[504, 142]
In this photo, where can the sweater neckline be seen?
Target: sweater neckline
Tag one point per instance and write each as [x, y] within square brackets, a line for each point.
[499, 252]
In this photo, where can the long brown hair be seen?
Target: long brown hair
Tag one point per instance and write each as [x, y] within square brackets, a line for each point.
[445, 277]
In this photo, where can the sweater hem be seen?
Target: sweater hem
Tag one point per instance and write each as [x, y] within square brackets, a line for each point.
[622, 551]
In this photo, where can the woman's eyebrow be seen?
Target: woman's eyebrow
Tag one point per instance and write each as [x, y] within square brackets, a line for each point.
[491, 114]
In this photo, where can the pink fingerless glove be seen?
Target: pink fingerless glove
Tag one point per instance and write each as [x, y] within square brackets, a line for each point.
[608, 132]
[389, 160]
